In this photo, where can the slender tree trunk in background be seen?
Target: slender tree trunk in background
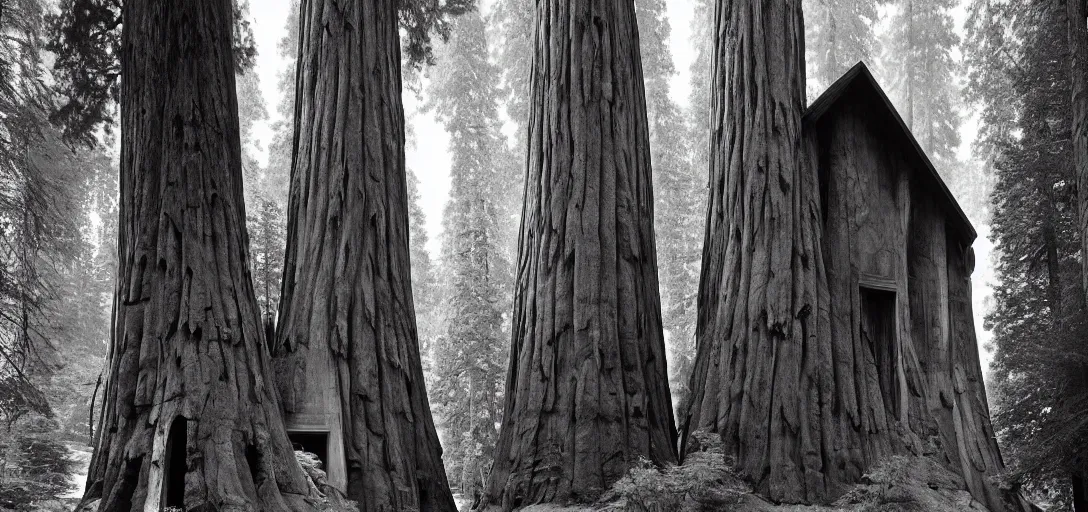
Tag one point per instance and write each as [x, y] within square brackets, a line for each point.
[587, 392]
[910, 64]
[831, 60]
[763, 295]
[347, 279]
[190, 416]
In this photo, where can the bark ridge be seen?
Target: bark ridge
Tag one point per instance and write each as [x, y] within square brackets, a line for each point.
[587, 392]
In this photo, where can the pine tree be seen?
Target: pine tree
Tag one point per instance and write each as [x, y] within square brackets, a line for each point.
[267, 239]
[510, 24]
[679, 190]
[277, 173]
[1020, 77]
[922, 73]
[424, 281]
[251, 110]
[264, 202]
[922, 68]
[470, 352]
[839, 34]
[49, 335]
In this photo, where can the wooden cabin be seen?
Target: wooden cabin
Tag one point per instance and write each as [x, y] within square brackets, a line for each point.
[899, 261]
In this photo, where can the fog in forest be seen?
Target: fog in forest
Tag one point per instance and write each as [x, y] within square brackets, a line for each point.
[984, 86]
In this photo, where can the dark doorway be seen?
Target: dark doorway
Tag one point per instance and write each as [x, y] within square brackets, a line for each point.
[316, 443]
[879, 333]
[174, 479]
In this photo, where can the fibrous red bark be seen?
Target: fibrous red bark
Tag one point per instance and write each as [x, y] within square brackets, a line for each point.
[586, 393]
[190, 416]
[347, 293]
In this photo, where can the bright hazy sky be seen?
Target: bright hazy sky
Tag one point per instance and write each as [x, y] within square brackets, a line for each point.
[429, 160]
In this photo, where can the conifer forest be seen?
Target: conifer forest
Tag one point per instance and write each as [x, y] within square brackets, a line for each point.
[543, 255]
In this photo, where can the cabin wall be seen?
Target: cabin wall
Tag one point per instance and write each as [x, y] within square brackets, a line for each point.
[864, 235]
[884, 233]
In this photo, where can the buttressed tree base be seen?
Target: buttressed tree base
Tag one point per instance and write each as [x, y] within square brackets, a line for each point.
[587, 392]
[190, 415]
[346, 351]
[835, 325]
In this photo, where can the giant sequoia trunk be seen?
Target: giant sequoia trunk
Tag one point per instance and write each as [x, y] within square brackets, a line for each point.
[1078, 49]
[835, 325]
[347, 322]
[586, 392]
[190, 417]
[762, 328]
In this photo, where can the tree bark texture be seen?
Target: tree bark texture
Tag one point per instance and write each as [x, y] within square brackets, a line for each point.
[763, 333]
[1078, 51]
[587, 392]
[347, 279]
[190, 411]
[834, 325]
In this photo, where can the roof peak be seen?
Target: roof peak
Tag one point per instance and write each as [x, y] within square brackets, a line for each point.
[859, 75]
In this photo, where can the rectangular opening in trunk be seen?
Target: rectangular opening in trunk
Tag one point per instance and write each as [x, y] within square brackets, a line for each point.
[878, 331]
[316, 443]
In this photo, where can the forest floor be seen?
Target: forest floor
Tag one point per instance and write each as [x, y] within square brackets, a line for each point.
[705, 482]
[81, 459]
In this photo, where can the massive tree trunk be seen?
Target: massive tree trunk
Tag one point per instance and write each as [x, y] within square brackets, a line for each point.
[763, 327]
[829, 336]
[586, 392]
[347, 296]
[1078, 50]
[190, 417]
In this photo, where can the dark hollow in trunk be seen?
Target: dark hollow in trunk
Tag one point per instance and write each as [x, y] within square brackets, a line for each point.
[174, 481]
[586, 392]
[346, 336]
[878, 328]
[188, 392]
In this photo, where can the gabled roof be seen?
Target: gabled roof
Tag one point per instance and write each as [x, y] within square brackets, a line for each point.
[860, 77]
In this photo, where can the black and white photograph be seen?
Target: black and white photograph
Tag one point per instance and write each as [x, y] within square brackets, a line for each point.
[543, 255]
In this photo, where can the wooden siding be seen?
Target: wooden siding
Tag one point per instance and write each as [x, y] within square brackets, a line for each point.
[888, 226]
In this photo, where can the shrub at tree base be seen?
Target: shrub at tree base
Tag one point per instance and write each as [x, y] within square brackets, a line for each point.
[36, 467]
[706, 482]
[332, 499]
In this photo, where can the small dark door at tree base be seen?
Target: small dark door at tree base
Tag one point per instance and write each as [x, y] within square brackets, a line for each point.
[316, 443]
[174, 480]
[879, 332]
